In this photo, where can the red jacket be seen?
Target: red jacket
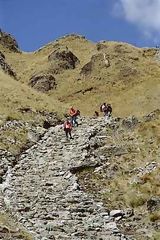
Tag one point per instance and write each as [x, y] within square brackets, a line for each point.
[72, 112]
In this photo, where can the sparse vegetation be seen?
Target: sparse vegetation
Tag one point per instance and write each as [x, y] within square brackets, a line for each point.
[156, 236]
[12, 230]
[155, 217]
[135, 199]
[13, 140]
[14, 95]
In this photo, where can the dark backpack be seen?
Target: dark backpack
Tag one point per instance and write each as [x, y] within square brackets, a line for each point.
[109, 109]
[78, 113]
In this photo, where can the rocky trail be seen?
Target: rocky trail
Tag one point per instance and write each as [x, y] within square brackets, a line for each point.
[43, 193]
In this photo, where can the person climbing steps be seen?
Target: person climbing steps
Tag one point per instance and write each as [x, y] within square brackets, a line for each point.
[73, 114]
[107, 111]
[68, 129]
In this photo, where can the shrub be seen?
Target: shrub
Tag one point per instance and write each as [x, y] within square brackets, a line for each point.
[154, 216]
[135, 199]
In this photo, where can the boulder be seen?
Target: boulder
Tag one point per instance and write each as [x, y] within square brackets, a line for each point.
[153, 204]
[116, 213]
[43, 82]
[46, 124]
[65, 58]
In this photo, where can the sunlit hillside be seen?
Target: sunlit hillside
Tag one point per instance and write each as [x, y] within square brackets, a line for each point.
[130, 80]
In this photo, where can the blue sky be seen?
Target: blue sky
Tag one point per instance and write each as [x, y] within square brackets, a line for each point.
[37, 22]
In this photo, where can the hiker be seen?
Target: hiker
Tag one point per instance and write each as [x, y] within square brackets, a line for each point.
[68, 128]
[108, 113]
[73, 114]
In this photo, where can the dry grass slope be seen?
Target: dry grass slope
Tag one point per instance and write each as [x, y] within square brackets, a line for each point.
[9, 229]
[131, 82]
[15, 95]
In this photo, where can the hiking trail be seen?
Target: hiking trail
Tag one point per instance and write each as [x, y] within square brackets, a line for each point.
[43, 193]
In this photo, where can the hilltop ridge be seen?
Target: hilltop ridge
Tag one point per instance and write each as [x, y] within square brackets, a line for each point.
[130, 74]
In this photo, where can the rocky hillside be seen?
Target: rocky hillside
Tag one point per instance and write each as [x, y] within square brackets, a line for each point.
[103, 184]
[73, 70]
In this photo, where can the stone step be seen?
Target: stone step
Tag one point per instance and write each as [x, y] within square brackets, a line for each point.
[46, 197]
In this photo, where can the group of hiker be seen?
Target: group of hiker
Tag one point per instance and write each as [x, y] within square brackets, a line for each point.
[71, 120]
[107, 111]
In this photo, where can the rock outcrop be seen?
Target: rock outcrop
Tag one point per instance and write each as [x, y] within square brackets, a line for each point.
[98, 62]
[64, 58]
[8, 41]
[43, 82]
[5, 66]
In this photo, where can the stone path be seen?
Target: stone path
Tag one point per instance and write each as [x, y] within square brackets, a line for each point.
[44, 195]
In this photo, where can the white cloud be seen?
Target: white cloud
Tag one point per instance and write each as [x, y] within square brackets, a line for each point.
[144, 13]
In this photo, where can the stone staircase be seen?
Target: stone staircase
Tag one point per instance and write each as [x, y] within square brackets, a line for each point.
[43, 194]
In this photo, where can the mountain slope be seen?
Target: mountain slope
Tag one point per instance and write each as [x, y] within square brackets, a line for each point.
[50, 185]
[15, 95]
[102, 184]
[126, 76]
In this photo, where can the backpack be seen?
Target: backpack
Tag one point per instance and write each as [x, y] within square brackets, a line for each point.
[78, 113]
[109, 108]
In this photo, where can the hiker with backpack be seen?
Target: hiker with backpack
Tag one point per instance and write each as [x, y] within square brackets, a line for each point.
[107, 111]
[73, 114]
[68, 128]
